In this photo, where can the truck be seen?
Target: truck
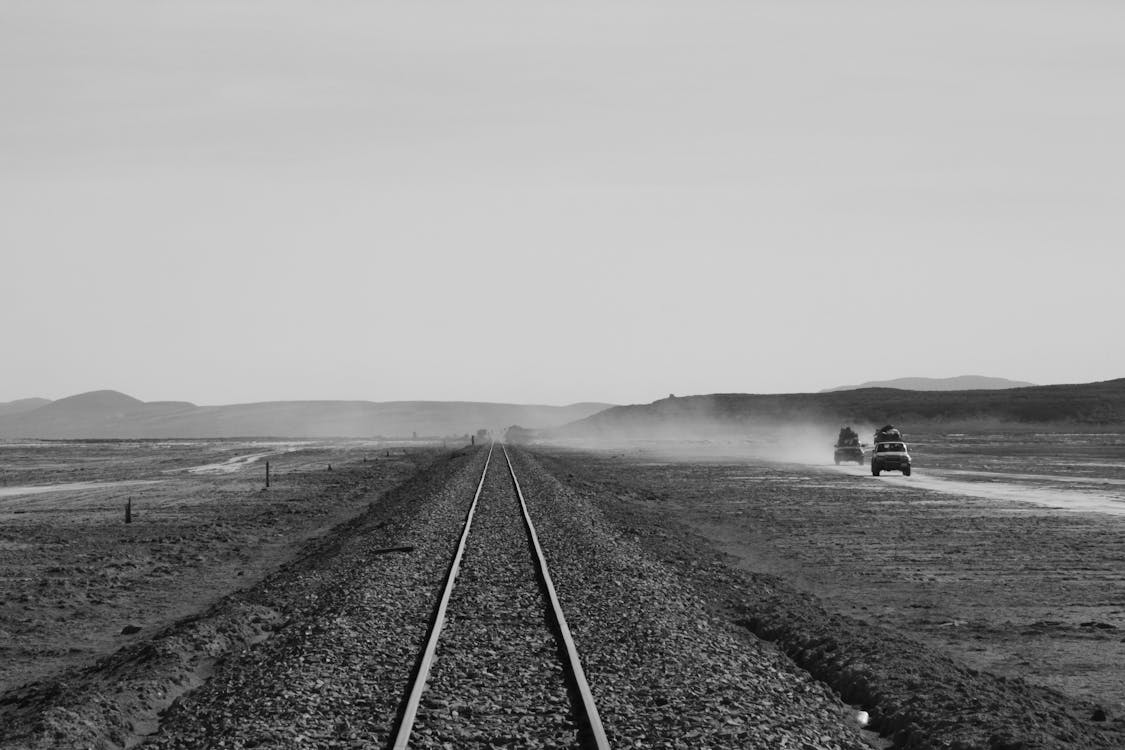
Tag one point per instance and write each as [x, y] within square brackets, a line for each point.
[889, 452]
[848, 447]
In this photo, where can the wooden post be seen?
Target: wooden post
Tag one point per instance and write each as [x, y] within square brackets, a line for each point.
[267, 473]
[129, 511]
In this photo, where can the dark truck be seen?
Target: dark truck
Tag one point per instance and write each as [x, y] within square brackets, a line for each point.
[890, 452]
[848, 447]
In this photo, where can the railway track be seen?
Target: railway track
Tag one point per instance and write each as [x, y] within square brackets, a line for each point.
[498, 641]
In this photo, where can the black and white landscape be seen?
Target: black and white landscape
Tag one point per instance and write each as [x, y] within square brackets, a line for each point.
[648, 374]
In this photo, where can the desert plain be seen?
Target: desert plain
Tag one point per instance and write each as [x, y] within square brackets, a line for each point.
[78, 582]
[979, 602]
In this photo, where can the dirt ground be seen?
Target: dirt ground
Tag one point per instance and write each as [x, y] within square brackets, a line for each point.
[77, 582]
[989, 552]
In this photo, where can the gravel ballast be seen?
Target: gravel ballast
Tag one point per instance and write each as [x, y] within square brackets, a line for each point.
[334, 676]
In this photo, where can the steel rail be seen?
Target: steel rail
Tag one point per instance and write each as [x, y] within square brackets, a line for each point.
[422, 671]
[595, 732]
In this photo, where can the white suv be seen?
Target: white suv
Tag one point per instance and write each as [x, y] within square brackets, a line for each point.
[890, 456]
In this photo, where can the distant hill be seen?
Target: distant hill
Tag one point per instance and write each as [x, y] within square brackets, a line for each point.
[958, 383]
[110, 414]
[93, 401]
[731, 413]
[22, 405]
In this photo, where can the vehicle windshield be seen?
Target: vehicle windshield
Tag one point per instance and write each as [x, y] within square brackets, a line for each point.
[891, 447]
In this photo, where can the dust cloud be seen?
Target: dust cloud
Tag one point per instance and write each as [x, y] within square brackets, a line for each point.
[808, 443]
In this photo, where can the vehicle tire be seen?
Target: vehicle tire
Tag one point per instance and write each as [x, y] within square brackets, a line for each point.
[874, 469]
[906, 471]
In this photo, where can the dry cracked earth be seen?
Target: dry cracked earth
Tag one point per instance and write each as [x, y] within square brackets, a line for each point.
[716, 604]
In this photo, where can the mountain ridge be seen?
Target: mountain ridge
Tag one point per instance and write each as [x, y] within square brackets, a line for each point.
[112, 414]
[1092, 404]
[956, 383]
[22, 404]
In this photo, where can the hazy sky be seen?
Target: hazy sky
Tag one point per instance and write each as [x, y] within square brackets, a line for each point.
[552, 202]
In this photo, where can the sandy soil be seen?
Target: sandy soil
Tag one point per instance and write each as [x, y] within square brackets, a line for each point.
[77, 582]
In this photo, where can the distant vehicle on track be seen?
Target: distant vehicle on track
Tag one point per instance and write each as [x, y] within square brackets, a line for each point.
[890, 453]
[848, 447]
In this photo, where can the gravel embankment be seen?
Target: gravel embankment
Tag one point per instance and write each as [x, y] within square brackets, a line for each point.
[335, 675]
[664, 671]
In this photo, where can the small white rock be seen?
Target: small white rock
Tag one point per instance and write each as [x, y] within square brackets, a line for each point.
[862, 718]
